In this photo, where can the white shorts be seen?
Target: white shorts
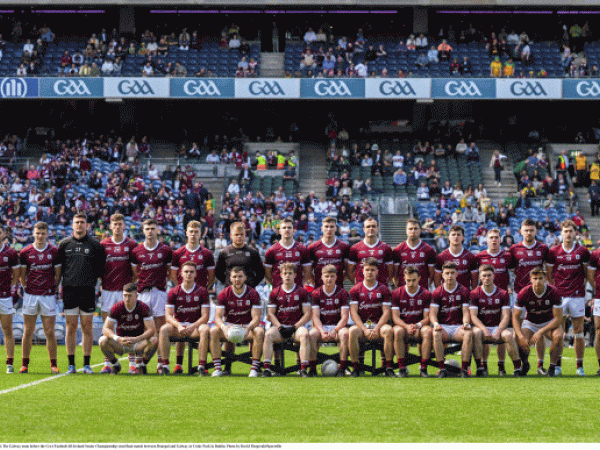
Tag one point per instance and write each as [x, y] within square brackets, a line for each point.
[6, 306]
[535, 327]
[156, 300]
[328, 328]
[596, 311]
[110, 298]
[44, 305]
[451, 329]
[573, 306]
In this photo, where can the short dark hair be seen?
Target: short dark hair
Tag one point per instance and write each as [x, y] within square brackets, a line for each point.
[529, 223]
[80, 215]
[409, 270]
[538, 270]
[486, 268]
[450, 265]
[130, 287]
[189, 263]
[149, 222]
[457, 228]
[370, 261]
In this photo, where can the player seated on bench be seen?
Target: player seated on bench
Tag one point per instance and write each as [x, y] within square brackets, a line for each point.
[330, 312]
[237, 304]
[187, 312]
[543, 306]
[449, 314]
[289, 309]
[490, 316]
[370, 303]
[129, 328]
[410, 314]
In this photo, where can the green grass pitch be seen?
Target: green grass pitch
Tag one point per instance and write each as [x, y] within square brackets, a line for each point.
[127, 408]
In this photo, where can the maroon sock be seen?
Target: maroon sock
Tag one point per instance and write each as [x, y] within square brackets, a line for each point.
[53, 363]
[465, 365]
[441, 364]
[202, 363]
[114, 361]
[355, 365]
[145, 361]
[267, 365]
[312, 365]
[598, 361]
[9, 361]
[579, 363]
[423, 364]
[517, 363]
[179, 360]
[165, 362]
[383, 364]
[303, 365]
[161, 361]
[540, 363]
[343, 364]
[388, 364]
[26, 362]
[401, 363]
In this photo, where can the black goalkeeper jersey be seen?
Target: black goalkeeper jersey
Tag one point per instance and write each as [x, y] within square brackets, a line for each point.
[246, 257]
[82, 261]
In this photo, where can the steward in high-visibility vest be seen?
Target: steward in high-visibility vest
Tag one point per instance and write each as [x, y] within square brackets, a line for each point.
[261, 162]
[280, 161]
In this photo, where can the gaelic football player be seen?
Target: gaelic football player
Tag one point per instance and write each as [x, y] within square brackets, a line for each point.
[329, 250]
[10, 269]
[414, 252]
[371, 247]
[466, 262]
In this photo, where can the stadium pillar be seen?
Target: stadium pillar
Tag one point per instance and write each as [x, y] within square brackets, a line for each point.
[127, 20]
[420, 116]
[420, 21]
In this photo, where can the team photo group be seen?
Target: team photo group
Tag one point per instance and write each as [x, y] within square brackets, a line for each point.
[400, 297]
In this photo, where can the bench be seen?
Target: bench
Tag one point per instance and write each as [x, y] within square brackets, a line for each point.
[226, 357]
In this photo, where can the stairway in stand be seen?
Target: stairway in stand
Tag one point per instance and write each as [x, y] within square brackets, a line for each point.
[313, 169]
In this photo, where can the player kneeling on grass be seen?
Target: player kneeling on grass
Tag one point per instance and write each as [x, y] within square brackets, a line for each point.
[370, 303]
[187, 312]
[543, 306]
[238, 304]
[330, 314]
[410, 314]
[490, 315]
[129, 328]
[449, 314]
[288, 311]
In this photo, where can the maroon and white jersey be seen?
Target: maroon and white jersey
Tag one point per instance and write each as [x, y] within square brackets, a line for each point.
[202, 257]
[466, 262]
[500, 262]
[538, 307]
[370, 301]
[330, 305]
[39, 266]
[450, 304]
[380, 251]
[524, 259]
[489, 306]
[152, 265]
[595, 264]
[9, 260]
[187, 306]
[568, 269]
[412, 307]
[129, 323]
[288, 305]
[423, 257]
[238, 308]
[320, 254]
[279, 254]
[117, 269]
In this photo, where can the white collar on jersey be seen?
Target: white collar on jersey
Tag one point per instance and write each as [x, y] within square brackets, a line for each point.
[112, 238]
[416, 292]
[489, 293]
[190, 291]
[151, 249]
[453, 290]
[415, 247]
[329, 246]
[368, 288]
[243, 292]
[193, 251]
[460, 253]
[329, 294]
[290, 291]
[287, 248]
[572, 248]
[371, 246]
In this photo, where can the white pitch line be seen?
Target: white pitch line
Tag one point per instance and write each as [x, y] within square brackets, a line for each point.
[43, 380]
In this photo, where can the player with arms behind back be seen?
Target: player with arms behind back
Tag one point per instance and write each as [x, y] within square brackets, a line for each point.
[449, 314]
[187, 313]
[410, 314]
[40, 274]
[289, 310]
[238, 304]
[543, 306]
[370, 308]
[414, 252]
[330, 312]
[371, 247]
[128, 328]
[466, 262]
[10, 270]
[567, 272]
[117, 269]
[329, 250]
[490, 315]
[594, 266]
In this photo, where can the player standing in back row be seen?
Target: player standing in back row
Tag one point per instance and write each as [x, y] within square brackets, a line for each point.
[9, 276]
[151, 263]
[329, 250]
[82, 260]
[117, 271]
[466, 262]
[414, 252]
[371, 247]
[567, 271]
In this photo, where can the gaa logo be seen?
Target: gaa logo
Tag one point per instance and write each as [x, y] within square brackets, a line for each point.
[71, 87]
[203, 88]
[588, 89]
[462, 88]
[396, 88]
[527, 88]
[332, 89]
[13, 88]
[266, 88]
[128, 87]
